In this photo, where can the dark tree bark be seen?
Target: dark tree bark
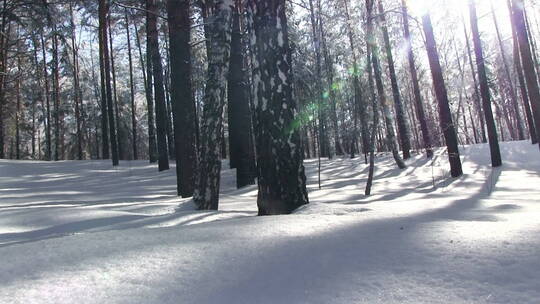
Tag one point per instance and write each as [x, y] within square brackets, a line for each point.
[403, 128]
[183, 103]
[281, 177]
[47, 119]
[117, 114]
[242, 155]
[104, 50]
[512, 88]
[152, 144]
[103, 92]
[206, 194]
[387, 113]
[359, 107]
[484, 89]
[521, 79]
[476, 94]
[131, 91]
[157, 74]
[527, 63]
[3, 60]
[445, 116]
[77, 93]
[420, 113]
[56, 95]
[18, 109]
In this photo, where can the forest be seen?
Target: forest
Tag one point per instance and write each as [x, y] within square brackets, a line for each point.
[392, 147]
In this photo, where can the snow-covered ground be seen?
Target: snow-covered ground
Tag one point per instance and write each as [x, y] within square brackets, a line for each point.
[83, 232]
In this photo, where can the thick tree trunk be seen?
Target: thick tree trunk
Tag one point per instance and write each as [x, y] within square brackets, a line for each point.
[206, 194]
[183, 103]
[103, 92]
[152, 144]
[157, 74]
[131, 91]
[484, 89]
[104, 50]
[3, 68]
[242, 155]
[281, 177]
[426, 136]
[445, 116]
[403, 128]
[527, 63]
[56, 96]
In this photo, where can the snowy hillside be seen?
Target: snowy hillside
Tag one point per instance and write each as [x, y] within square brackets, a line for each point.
[82, 232]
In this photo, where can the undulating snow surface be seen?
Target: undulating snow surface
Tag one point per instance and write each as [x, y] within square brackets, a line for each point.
[83, 232]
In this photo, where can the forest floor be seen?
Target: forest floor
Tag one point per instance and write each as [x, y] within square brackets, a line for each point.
[83, 232]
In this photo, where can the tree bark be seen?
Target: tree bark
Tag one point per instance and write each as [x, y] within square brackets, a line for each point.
[403, 128]
[131, 91]
[157, 74]
[281, 177]
[420, 112]
[527, 63]
[104, 50]
[445, 116]
[183, 103]
[206, 194]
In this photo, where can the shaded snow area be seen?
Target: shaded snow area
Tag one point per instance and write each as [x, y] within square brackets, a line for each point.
[82, 232]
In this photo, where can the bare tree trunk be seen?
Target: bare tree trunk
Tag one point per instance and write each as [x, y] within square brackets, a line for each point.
[117, 114]
[403, 128]
[445, 116]
[76, 86]
[281, 177]
[131, 91]
[527, 62]
[426, 136]
[106, 73]
[157, 74]
[206, 194]
[183, 103]
[476, 95]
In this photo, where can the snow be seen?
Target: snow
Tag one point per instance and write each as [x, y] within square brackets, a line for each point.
[82, 232]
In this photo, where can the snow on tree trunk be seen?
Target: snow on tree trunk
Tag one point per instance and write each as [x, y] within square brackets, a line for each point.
[206, 194]
[280, 171]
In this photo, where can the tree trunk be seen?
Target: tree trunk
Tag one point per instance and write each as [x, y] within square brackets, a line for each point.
[359, 107]
[117, 114]
[206, 194]
[512, 89]
[56, 95]
[242, 156]
[157, 74]
[131, 91]
[104, 50]
[183, 103]
[76, 86]
[426, 136]
[476, 95]
[484, 89]
[521, 79]
[403, 128]
[281, 177]
[445, 116]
